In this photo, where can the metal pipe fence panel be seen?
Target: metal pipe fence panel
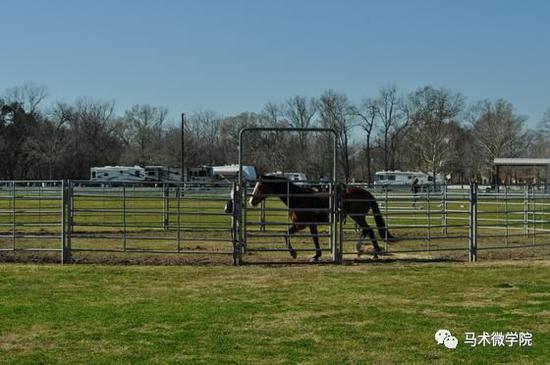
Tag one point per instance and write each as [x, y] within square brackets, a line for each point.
[75, 218]
[155, 218]
[428, 224]
[515, 220]
[31, 216]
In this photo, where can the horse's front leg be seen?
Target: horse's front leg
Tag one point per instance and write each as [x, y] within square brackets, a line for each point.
[315, 236]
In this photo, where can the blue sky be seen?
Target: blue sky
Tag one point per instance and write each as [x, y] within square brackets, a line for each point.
[234, 56]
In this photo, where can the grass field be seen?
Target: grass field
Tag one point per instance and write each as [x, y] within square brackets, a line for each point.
[379, 314]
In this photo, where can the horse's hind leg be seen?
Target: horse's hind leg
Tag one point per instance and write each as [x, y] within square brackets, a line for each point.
[293, 229]
[314, 235]
[367, 231]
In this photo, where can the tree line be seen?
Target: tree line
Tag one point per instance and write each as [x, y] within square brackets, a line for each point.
[430, 129]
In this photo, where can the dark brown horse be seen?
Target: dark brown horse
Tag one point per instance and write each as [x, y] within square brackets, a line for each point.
[357, 203]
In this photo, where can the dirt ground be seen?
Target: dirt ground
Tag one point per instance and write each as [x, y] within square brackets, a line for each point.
[278, 258]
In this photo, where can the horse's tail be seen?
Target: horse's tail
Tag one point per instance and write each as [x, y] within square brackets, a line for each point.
[379, 219]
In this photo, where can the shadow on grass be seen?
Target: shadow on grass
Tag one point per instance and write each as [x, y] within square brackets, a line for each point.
[391, 260]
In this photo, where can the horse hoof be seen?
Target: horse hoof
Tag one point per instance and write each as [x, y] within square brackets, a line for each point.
[293, 253]
[314, 259]
[375, 256]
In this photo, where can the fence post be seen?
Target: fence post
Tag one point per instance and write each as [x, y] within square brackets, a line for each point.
[242, 214]
[444, 227]
[262, 215]
[70, 218]
[472, 249]
[178, 234]
[13, 217]
[337, 212]
[429, 220]
[40, 203]
[124, 242]
[65, 222]
[166, 206]
[526, 211]
[236, 234]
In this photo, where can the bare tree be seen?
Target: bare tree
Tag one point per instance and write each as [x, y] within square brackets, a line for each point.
[497, 131]
[30, 96]
[204, 128]
[389, 107]
[338, 113]
[432, 112]
[367, 113]
[275, 149]
[50, 145]
[93, 136]
[544, 124]
[300, 113]
[229, 130]
[144, 131]
[541, 137]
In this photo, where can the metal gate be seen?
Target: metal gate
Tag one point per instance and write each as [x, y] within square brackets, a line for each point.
[262, 233]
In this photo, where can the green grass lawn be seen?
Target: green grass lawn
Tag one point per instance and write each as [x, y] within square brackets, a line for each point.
[365, 313]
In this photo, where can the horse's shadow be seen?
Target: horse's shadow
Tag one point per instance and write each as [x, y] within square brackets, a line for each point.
[388, 259]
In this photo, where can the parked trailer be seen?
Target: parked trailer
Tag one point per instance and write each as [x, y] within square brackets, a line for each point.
[298, 178]
[117, 174]
[385, 178]
[163, 174]
[230, 172]
[199, 175]
[155, 173]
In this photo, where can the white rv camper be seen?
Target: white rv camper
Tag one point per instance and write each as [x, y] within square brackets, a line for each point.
[117, 174]
[162, 174]
[299, 178]
[230, 172]
[396, 178]
[199, 175]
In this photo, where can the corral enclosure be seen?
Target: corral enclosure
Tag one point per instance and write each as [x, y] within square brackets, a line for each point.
[78, 221]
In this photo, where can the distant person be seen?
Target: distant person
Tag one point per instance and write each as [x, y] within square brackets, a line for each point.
[415, 189]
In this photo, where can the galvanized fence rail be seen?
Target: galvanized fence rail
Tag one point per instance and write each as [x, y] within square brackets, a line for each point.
[158, 218]
[69, 218]
[31, 216]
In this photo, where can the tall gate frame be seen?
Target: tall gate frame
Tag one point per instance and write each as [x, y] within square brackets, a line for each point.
[240, 194]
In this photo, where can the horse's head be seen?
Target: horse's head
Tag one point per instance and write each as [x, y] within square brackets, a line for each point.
[268, 185]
